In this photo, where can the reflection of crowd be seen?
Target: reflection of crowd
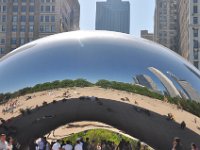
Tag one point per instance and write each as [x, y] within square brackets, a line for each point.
[43, 144]
[9, 107]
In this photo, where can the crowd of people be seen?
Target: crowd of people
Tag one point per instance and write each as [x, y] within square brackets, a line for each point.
[43, 144]
[10, 106]
[7, 143]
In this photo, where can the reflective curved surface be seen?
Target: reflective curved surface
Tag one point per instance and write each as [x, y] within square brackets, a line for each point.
[95, 55]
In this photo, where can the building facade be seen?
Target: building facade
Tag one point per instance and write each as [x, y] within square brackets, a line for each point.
[189, 33]
[146, 35]
[113, 15]
[166, 24]
[22, 21]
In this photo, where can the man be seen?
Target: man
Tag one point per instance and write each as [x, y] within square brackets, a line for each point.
[68, 146]
[177, 144]
[56, 146]
[40, 144]
[3, 143]
[78, 145]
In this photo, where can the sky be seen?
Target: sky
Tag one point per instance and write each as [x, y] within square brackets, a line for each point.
[142, 15]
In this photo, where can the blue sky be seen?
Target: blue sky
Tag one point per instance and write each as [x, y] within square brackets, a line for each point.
[142, 15]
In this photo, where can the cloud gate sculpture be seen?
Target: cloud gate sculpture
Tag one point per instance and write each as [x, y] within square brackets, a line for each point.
[99, 56]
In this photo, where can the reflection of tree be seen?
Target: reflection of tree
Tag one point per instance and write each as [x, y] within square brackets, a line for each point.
[191, 106]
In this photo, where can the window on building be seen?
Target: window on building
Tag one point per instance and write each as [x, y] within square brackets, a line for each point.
[47, 8]
[195, 44]
[47, 1]
[4, 18]
[13, 41]
[47, 29]
[23, 18]
[195, 20]
[14, 28]
[41, 18]
[22, 41]
[24, 1]
[2, 50]
[2, 41]
[195, 9]
[42, 1]
[52, 18]
[41, 28]
[31, 18]
[32, 1]
[23, 8]
[14, 18]
[53, 29]
[31, 9]
[15, 8]
[31, 28]
[195, 1]
[46, 18]
[23, 28]
[4, 8]
[3, 28]
[53, 9]
[196, 54]
[195, 32]
[53, 1]
[42, 8]
[15, 1]
[196, 64]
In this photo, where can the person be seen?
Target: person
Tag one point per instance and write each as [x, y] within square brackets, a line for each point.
[78, 145]
[138, 146]
[183, 125]
[121, 145]
[98, 146]
[46, 144]
[87, 144]
[68, 146]
[10, 143]
[56, 146]
[40, 144]
[3, 143]
[193, 146]
[177, 144]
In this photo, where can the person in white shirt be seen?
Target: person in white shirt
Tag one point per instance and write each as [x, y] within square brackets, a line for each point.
[78, 146]
[3, 143]
[40, 144]
[56, 146]
[68, 146]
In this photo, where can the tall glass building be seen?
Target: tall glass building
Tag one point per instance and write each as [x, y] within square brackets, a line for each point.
[113, 15]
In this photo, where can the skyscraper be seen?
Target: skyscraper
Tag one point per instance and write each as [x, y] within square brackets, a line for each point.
[166, 24]
[22, 21]
[146, 35]
[166, 82]
[188, 89]
[189, 31]
[113, 15]
[146, 81]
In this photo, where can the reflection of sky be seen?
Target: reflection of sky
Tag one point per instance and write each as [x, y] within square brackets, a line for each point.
[95, 57]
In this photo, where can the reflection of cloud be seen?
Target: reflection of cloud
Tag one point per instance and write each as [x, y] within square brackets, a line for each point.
[167, 83]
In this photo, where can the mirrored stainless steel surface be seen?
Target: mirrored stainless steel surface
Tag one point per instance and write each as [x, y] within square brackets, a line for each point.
[95, 55]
